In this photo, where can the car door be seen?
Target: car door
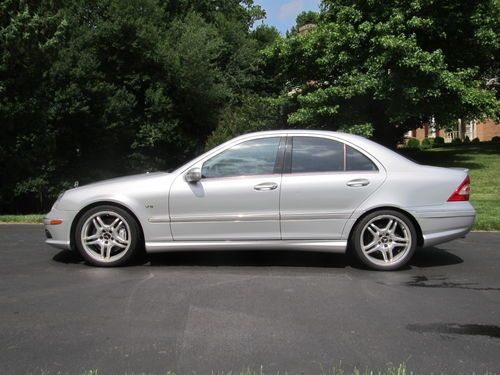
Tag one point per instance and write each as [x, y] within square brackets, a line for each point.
[237, 197]
[324, 181]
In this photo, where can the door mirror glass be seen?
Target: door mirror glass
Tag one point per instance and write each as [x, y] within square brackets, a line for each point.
[193, 175]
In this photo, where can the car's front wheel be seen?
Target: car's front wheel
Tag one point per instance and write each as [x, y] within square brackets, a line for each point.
[385, 240]
[107, 236]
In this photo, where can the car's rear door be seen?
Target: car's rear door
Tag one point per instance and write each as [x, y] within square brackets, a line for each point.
[237, 197]
[324, 181]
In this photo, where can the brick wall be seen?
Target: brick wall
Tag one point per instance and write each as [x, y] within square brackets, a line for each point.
[423, 132]
[487, 130]
[420, 133]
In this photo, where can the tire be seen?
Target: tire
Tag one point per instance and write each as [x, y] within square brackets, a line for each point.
[107, 236]
[385, 240]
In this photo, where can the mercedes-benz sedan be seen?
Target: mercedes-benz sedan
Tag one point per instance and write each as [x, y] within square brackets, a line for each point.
[308, 190]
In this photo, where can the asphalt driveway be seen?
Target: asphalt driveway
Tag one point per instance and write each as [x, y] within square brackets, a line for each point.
[290, 312]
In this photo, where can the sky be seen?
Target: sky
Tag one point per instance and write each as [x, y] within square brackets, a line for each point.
[282, 13]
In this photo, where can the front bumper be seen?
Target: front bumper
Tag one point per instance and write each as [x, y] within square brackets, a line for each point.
[59, 235]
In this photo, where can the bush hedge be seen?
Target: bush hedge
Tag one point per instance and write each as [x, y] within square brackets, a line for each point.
[438, 141]
[426, 143]
[413, 143]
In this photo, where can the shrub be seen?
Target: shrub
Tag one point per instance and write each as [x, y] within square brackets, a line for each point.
[438, 141]
[426, 144]
[475, 140]
[467, 139]
[495, 139]
[456, 141]
[413, 143]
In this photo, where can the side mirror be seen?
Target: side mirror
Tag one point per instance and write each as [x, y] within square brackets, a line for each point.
[193, 175]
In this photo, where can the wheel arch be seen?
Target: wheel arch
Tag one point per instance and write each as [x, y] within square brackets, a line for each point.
[102, 203]
[420, 236]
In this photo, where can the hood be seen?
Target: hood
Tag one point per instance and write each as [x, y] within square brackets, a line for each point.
[142, 177]
[119, 189]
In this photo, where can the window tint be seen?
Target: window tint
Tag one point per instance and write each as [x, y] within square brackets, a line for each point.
[356, 161]
[248, 158]
[312, 154]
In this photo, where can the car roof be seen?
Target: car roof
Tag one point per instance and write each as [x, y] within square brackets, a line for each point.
[388, 158]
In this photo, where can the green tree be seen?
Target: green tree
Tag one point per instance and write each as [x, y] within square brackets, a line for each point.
[304, 18]
[91, 90]
[29, 40]
[253, 114]
[386, 67]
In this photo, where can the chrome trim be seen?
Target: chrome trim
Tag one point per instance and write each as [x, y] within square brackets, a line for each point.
[307, 245]
[241, 177]
[217, 218]
[265, 186]
[313, 215]
[250, 217]
[159, 219]
[443, 214]
[358, 182]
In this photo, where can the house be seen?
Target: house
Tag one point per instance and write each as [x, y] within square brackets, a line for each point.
[484, 130]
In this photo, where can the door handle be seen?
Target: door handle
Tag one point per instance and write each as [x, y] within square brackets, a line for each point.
[358, 182]
[265, 186]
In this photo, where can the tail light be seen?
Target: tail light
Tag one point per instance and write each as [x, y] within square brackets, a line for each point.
[462, 192]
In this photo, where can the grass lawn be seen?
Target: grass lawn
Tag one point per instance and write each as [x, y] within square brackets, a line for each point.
[21, 219]
[483, 162]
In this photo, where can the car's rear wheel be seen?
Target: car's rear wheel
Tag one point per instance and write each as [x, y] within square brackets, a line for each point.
[385, 240]
[107, 236]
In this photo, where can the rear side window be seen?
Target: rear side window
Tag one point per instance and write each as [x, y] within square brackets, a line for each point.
[356, 161]
[315, 154]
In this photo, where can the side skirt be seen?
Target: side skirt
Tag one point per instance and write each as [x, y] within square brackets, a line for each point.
[305, 245]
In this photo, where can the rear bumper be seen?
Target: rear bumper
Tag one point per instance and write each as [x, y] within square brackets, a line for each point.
[445, 222]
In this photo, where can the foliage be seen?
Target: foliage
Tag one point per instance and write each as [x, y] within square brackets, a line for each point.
[304, 18]
[413, 143]
[393, 65]
[253, 114]
[100, 89]
[495, 139]
[475, 141]
[426, 144]
[438, 141]
[467, 139]
[91, 90]
[456, 141]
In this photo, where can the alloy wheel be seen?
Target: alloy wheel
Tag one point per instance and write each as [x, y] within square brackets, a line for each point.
[106, 236]
[385, 240]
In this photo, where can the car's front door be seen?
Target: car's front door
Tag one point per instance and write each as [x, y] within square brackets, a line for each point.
[237, 197]
[324, 181]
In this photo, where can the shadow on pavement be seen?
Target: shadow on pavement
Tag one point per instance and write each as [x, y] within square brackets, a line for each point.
[68, 257]
[434, 257]
[457, 329]
[250, 259]
[424, 258]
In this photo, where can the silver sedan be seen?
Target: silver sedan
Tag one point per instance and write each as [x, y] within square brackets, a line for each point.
[307, 190]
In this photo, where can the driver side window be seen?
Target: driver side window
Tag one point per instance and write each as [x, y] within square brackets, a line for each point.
[254, 157]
